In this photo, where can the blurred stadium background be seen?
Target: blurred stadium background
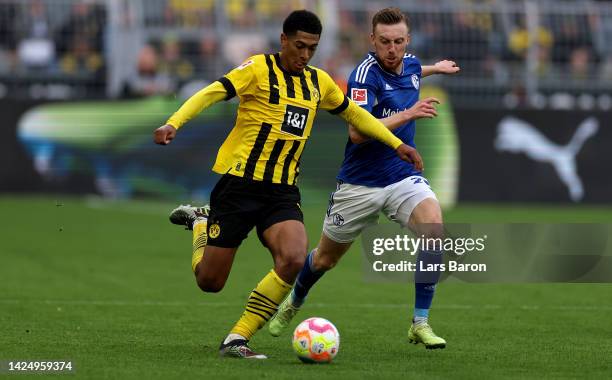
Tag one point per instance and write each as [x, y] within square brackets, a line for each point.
[89, 257]
[513, 53]
[82, 83]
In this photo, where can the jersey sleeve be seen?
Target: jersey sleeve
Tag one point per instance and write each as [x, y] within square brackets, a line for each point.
[203, 99]
[364, 91]
[332, 97]
[418, 63]
[241, 80]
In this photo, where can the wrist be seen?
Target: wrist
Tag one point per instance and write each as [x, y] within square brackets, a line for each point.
[397, 143]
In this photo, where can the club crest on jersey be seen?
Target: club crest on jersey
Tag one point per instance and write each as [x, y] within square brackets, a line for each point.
[415, 81]
[245, 64]
[359, 96]
[315, 95]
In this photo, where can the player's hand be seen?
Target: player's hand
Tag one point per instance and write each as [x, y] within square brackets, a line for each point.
[423, 109]
[446, 67]
[409, 154]
[164, 134]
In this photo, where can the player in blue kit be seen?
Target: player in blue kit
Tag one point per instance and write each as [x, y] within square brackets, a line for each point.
[373, 180]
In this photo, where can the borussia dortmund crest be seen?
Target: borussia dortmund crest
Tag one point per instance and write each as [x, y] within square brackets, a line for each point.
[214, 231]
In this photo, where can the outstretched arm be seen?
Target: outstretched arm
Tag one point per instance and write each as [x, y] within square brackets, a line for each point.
[203, 99]
[441, 67]
[422, 109]
[368, 125]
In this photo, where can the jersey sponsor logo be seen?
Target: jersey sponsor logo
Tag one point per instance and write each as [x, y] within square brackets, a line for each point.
[359, 96]
[388, 112]
[415, 81]
[214, 231]
[295, 120]
[245, 64]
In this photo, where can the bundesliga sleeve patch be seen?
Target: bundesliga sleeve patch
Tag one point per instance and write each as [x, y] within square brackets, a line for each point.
[245, 64]
[359, 96]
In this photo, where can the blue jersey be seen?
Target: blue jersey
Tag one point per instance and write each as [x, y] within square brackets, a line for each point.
[382, 94]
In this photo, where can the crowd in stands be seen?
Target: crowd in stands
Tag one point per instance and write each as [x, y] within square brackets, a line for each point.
[36, 39]
[489, 46]
[566, 47]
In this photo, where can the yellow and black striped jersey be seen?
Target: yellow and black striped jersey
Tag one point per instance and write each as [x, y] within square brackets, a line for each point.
[274, 119]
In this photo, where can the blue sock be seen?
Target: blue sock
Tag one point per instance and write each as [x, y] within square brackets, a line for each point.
[425, 283]
[307, 277]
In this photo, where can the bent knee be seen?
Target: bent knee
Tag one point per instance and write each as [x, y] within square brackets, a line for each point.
[291, 261]
[430, 227]
[210, 284]
[434, 231]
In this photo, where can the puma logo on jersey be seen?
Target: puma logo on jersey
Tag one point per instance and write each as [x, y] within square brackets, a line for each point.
[517, 136]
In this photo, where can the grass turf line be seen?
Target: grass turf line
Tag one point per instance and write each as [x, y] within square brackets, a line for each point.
[142, 315]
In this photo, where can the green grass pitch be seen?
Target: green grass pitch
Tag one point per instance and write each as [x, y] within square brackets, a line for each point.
[109, 286]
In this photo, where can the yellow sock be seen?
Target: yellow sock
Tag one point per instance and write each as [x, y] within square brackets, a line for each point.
[199, 243]
[262, 304]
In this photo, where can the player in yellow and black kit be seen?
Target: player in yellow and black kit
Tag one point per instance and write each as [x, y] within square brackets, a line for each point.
[259, 162]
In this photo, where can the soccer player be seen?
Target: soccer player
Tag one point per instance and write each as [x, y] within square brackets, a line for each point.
[259, 162]
[372, 180]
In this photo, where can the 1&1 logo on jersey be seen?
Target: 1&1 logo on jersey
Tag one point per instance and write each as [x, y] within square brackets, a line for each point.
[294, 121]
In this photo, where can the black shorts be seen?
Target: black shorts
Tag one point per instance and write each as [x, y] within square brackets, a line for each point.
[237, 205]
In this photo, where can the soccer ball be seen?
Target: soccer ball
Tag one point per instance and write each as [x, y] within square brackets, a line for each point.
[316, 340]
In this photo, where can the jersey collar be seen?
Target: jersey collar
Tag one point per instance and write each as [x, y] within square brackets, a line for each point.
[278, 64]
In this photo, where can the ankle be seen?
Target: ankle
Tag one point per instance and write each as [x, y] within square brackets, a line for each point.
[419, 320]
[233, 336]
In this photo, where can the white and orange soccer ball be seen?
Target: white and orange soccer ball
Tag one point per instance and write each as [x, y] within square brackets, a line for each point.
[316, 340]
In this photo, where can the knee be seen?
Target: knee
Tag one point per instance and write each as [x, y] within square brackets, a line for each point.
[210, 284]
[426, 219]
[434, 230]
[432, 227]
[291, 261]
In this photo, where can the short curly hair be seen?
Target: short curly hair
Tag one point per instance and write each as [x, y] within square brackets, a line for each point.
[303, 20]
